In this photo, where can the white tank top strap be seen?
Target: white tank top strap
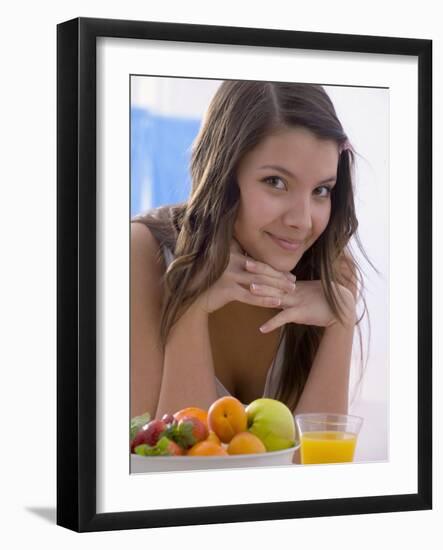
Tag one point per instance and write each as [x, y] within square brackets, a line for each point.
[274, 372]
[221, 390]
[168, 255]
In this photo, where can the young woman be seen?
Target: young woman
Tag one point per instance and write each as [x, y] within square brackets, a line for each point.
[249, 288]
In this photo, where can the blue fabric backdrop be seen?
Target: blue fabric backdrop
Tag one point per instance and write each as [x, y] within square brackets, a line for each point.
[160, 154]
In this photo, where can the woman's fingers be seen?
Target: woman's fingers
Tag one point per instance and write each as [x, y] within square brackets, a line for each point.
[283, 317]
[265, 269]
[243, 262]
[257, 283]
[245, 296]
[285, 296]
[282, 283]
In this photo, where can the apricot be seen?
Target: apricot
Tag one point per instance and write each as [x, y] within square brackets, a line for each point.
[196, 412]
[245, 443]
[213, 437]
[227, 417]
[206, 448]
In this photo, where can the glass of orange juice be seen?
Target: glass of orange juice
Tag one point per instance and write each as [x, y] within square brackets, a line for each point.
[327, 438]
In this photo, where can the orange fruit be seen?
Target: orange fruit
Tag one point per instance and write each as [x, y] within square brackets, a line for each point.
[206, 448]
[227, 417]
[213, 437]
[196, 412]
[245, 443]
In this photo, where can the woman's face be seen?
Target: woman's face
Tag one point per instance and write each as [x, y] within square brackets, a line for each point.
[285, 202]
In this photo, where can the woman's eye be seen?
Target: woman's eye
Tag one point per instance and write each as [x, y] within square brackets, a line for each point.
[275, 182]
[326, 191]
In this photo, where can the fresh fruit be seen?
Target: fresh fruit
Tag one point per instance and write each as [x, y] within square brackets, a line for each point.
[168, 419]
[163, 447]
[149, 434]
[154, 430]
[139, 439]
[265, 425]
[227, 417]
[271, 421]
[196, 412]
[186, 432]
[213, 437]
[137, 422]
[198, 428]
[206, 448]
[245, 443]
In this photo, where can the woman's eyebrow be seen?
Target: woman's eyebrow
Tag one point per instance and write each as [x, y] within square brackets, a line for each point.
[291, 175]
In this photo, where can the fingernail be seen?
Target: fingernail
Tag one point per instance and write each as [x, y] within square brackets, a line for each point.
[255, 286]
[292, 276]
[249, 264]
[264, 328]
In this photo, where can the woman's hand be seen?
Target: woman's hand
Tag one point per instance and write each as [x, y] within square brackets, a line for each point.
[307, 305]
[235, 283]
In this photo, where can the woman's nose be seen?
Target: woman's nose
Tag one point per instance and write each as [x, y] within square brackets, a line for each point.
[298, 214]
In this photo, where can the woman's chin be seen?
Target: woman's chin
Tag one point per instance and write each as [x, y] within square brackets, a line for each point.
[280, 264]
[284, 267]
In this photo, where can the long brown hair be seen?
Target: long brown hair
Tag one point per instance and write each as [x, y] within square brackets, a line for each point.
[199, 231]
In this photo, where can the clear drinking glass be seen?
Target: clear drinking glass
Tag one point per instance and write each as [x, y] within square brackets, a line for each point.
[327, 438]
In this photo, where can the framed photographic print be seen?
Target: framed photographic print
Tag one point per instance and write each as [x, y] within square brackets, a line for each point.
[244, 274]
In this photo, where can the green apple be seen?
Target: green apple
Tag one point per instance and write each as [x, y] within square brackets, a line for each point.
[272, 422]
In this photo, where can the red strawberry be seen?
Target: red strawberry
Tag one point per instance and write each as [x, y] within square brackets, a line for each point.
[195, 427]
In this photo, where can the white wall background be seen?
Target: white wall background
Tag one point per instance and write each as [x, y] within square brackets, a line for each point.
[165, 95]
[28, 277]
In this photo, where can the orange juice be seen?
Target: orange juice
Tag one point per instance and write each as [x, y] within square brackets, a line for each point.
[325, 447]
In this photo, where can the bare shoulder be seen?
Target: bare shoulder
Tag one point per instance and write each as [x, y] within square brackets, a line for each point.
[142, 238]
[145, 249]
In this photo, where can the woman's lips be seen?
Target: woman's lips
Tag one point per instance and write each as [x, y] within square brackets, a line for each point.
[286, 245]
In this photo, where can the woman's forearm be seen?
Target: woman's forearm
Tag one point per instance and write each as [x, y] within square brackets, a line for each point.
[327, 386]
[188, 377]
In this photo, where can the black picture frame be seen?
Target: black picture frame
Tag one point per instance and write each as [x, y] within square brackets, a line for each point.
[76, 273]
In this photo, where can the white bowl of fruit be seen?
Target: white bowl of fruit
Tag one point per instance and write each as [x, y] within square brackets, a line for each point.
[228, 435]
